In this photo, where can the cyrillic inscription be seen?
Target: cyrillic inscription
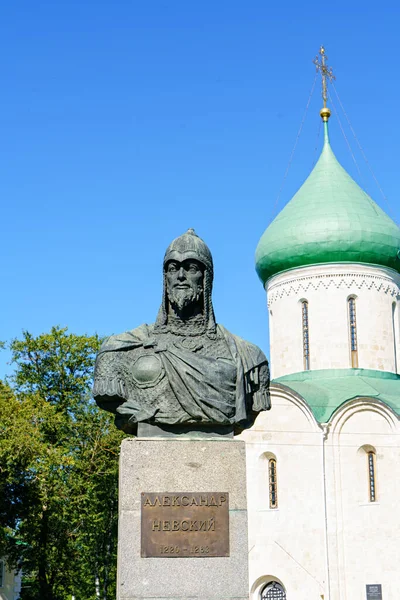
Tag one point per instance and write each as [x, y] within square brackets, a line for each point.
[177, 525]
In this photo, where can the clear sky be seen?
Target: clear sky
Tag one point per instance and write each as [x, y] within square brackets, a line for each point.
[125, 123]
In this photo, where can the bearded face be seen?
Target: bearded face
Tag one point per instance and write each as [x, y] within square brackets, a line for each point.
[184, 283]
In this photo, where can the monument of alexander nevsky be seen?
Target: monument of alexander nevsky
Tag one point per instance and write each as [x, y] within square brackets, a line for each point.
[182, 386]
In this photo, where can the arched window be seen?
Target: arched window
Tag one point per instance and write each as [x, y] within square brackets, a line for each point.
[353, 332]
[273, 591]
[306, 340]
[273, 483]
[371, 476]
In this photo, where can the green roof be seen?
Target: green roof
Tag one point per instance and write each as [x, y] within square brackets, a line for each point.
[325, 390]
[330, 219]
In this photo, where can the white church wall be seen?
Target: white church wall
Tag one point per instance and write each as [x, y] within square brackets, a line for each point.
[327, 289]
[363, 535]
[10, 582]
[286, 544]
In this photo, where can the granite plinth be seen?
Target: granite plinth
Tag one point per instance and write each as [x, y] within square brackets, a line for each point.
[181, 465]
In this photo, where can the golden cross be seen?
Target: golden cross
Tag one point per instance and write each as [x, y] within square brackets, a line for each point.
[326, 72]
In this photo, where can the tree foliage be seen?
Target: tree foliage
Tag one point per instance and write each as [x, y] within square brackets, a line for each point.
[59, 470]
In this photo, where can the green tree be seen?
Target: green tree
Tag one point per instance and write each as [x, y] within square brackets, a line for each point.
[59, 470]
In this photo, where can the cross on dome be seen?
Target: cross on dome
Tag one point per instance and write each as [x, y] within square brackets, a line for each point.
[326, 74]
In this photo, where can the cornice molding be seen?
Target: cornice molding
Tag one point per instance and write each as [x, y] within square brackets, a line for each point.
[295, 285]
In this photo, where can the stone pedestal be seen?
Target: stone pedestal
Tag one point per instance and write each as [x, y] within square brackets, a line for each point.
[180, 466]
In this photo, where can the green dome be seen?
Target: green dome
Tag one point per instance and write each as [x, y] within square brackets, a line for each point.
[329, 220]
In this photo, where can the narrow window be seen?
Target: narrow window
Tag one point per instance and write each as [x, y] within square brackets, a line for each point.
[395, 334]
[371, 476]
[273, 484]
[353, 332]
[306, 341]
[273, 591]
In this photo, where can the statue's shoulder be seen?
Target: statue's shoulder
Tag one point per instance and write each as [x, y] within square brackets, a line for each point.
[127, 339]
[251, 354]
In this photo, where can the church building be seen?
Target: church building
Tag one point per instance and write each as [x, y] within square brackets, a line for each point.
[323, 465]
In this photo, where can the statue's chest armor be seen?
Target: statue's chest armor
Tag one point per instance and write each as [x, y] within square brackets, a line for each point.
[217, 348]
[146, 369]
[201, 345]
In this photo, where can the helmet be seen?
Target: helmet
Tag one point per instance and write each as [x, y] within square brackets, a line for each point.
[187, 246]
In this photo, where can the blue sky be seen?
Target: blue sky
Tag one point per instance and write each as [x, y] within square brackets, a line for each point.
[125, 123]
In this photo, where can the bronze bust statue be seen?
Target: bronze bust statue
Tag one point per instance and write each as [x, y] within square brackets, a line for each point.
[184, 369]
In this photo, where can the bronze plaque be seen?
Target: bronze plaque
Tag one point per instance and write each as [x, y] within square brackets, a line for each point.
[188, 524]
